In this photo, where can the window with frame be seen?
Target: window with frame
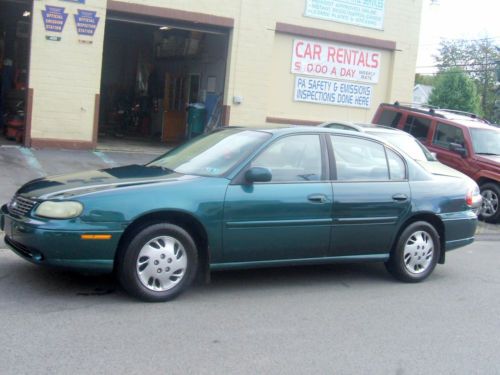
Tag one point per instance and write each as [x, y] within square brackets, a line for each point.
[397, 167]
[446, 134]
[359, 159]
[389, 118]
[418, 127]
[293, 158]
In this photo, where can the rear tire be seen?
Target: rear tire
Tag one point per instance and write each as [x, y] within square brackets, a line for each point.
[416, 253]
[159, 263]
[490, 208]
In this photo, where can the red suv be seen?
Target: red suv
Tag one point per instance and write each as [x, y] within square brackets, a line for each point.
[459, 140]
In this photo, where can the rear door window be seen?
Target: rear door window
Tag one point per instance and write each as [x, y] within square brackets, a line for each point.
[359, 159]
[418, 127]
[397, 166]
[446, 134]
[389, 118]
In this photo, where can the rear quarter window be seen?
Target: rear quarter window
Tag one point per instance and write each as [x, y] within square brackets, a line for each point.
[390, 118]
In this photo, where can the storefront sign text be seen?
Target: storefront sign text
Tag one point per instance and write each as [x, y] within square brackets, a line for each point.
[327, 91]
[54, 18]
[335, 61]
[86, 22]
[366, 13]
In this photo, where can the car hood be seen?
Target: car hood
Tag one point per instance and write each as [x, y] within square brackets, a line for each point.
[70, 185]
[436, 167]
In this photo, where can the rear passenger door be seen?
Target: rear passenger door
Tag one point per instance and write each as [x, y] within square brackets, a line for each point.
[371, 196]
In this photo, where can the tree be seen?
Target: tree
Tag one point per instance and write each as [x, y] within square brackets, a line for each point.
[424, 79]
[453, 89]
[477, 58]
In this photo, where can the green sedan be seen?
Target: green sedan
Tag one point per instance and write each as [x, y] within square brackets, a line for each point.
[245, 198]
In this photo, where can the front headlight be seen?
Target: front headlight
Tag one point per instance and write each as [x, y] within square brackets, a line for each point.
[59, 210]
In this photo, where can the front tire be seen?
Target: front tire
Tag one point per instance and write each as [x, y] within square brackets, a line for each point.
[159, 263]
[490, 211]
[416, 253]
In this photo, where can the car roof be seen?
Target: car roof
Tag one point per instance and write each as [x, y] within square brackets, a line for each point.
[465, 119]
[364, 127]
[297, 129]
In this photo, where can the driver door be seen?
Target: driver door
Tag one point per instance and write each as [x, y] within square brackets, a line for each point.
[287, 218]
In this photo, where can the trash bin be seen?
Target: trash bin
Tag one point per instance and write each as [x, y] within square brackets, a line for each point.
[197, 114]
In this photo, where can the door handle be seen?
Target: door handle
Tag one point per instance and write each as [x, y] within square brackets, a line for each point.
[317, 198]
[400, 197]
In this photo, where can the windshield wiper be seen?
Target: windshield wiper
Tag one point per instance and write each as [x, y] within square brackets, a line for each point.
[487, 153]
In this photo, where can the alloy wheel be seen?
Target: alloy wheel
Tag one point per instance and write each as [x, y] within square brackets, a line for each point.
[489, 206]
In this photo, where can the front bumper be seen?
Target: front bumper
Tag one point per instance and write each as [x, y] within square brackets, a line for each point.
[61, 247]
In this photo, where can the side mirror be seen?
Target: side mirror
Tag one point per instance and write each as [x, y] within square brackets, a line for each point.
[258, 174]
[459, 149]
[434, 155]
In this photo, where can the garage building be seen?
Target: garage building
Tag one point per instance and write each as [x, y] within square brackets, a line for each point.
[87, 73]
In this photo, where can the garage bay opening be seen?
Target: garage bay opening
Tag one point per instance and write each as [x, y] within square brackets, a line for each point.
[15, 30]
[162, 82]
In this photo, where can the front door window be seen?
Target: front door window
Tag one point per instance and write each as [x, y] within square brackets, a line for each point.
[296, 158]
[447, 134]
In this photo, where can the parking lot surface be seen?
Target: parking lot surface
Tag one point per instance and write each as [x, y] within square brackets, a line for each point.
[342, 319]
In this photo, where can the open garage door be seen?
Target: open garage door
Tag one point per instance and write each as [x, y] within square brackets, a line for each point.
[15, 33]
[162, 80]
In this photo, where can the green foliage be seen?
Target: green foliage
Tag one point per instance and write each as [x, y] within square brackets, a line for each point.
[477, 58]
[453, 89]
[424, 79]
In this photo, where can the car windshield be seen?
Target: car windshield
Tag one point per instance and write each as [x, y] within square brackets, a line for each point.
[486, 141]
[213, 154]
[407, 144]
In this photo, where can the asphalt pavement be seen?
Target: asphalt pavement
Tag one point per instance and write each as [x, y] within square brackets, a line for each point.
[19, 165]
[335, 319]
[339, 319]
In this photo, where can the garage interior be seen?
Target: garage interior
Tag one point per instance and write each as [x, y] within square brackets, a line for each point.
[162, 82]
[15, 31]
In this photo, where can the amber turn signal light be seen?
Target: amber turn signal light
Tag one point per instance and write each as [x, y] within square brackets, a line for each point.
[95, 236]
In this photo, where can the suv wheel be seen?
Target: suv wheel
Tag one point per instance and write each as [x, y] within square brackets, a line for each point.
[489, 209]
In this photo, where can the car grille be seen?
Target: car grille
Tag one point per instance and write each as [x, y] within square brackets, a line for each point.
[20, 206]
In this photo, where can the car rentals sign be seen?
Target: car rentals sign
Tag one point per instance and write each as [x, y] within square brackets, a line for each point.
[335, 61]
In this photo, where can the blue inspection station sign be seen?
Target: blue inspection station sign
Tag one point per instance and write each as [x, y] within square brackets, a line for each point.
[54, 18]
[86, 22]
